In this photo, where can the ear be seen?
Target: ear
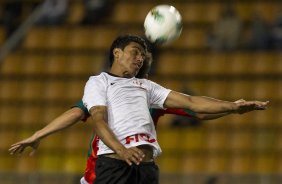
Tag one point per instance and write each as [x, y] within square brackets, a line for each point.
[117, 53]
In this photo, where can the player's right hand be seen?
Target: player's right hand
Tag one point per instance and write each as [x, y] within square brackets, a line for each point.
[19, 147]
[247, 106]
[131, 155]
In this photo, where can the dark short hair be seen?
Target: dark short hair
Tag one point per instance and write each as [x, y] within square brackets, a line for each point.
[122, 41]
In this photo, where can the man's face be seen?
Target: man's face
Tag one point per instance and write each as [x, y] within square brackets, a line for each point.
[131, 59]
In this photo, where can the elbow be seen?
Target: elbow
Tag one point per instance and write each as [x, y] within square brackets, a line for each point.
[200, 116]
[77, 114]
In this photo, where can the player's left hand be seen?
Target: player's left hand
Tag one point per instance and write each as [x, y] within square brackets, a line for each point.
[19, 147]
[247, 106]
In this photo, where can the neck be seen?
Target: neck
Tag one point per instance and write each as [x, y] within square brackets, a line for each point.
[119, 73]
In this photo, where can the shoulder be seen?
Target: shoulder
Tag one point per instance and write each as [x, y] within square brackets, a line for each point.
[102, 77]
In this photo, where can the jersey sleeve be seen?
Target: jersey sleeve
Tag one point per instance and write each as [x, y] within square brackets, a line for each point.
[83, 108]
[158, 95]
[94, 92]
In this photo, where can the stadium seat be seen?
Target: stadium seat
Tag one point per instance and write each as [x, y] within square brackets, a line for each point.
[193, 139]
[9, 115]
[191, 38]
[217, 63]
[216, 162]
[9, 89]
[266, 9]
[34, 64]
[134, 14]
[242, 120]
[97, 37]
[169, 139]
[266, 90]
[78, 138]
[32, 89]
[31, 116]
[169, 163]
[195, 87]
[8, 163]
[168, 64]
[2, 35]
[51, 162]
[8, 137]
[36, 38]
[26, 163]
[12, 64]
[267, 117]
[77, 13]
[218, 89]
[278, 66]
[56, 64]
[75, 162]
[199, 12]
[50, 112]
[216, 140]
[86, 64]
[54, 142]
[265, 163]
[264, 63]
[241, 163]
[58, 37]
[55, 90]
[46, 38]
[193, 64]
[75, 89]
[193, 163]
[241, 88]
[171, 84]
[239, 63]
[241, 140]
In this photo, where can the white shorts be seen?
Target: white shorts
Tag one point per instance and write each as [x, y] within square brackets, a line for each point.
[83, 181]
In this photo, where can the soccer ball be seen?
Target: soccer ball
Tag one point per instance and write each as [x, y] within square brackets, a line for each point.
[163, 24]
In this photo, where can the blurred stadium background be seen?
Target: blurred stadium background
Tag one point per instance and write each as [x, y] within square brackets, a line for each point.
[44, 75]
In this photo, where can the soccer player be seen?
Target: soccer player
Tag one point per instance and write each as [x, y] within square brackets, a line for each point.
[79, 112]
[119, 105]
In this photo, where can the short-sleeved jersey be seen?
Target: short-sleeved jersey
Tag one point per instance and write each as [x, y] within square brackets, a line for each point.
[128, 102]
[89, 174]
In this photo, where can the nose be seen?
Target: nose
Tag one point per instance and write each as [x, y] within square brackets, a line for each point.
[140, 58]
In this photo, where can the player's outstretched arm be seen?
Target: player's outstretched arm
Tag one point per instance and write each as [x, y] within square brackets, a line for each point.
[218, 115]
[63, 121]
[207, 105]
[130, 155]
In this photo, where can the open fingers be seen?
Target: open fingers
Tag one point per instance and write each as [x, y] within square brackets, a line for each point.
[14, 149]
[18, 149]
[134, 155]
[138, 154]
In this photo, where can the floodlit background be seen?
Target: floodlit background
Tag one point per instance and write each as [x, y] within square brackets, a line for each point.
[226, 50]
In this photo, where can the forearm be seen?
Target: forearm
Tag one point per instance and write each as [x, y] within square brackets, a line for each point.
[202, 104]
[65, 120]
[103, 131]
[199, 104]
[101, 128]
[211, 116]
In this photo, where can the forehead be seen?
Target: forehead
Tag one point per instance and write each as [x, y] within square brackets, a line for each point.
[135, 45]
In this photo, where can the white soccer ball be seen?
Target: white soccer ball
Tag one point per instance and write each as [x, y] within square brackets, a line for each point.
[163, 24]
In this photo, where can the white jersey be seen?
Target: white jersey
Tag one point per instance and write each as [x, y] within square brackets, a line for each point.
[128, 102]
